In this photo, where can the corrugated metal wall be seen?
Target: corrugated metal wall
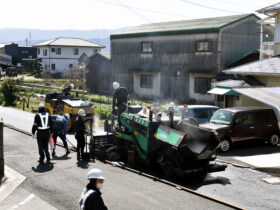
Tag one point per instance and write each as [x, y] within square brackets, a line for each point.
[238, 39]
[170, 54]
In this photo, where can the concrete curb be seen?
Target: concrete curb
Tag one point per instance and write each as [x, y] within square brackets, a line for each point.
[14, 179]
[270, 170]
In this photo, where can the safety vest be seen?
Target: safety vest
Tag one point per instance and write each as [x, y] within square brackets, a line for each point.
[85, 194]
[44, 121]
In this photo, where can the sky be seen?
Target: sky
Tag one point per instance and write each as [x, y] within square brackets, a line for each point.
[113, 14]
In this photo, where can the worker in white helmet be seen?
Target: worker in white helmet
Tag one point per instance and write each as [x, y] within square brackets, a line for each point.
[60, 130]
[80, 131]
[43, 126]
[91, 196]
[66, 91]
[120, 98]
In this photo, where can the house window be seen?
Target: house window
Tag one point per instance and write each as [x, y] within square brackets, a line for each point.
[70, 65]
[46, 67]
[76, 51]
[95, 51]
[146, 81]
[202, 85]
[204, 46]
[147, 47]
[45, 52]
[52, 49]
[58, 51]
[38, 51]
[53, 66]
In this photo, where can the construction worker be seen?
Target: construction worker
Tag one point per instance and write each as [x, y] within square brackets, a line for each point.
[91, 196]
[43, 126]
[66, 91]
[120, 98]
[59, 130]
[80, 131]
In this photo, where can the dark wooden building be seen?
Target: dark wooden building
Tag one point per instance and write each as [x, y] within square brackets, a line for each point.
[20, 54]
[177, 59]
[98, 78]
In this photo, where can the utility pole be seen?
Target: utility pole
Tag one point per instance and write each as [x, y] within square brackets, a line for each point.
[1, 149]
[84, 74]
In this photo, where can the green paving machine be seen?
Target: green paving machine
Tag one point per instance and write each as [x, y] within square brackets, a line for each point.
[179, 146]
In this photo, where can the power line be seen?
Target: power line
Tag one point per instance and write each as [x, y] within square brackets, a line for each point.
[133, 11]
[145, 10]
[207, 7]
[233, 2]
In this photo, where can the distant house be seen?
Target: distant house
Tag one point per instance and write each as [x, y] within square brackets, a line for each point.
[60, 53]
[178, 59]
[19, 54]
[99, 73]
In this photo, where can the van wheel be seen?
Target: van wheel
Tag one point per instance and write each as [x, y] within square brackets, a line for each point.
[225, 145]
[274, 139]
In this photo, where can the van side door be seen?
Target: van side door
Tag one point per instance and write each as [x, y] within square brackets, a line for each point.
[244, 128]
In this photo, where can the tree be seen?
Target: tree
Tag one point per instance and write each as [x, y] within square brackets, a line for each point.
[34, 67]
[73, 74]
[10, 90]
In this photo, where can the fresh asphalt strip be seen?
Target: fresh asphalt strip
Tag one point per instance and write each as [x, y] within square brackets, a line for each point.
[179, 187]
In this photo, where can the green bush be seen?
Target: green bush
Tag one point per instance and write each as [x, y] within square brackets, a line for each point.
[10, 91]
[103, 111]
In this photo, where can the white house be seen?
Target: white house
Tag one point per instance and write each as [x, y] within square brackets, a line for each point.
[60, 53]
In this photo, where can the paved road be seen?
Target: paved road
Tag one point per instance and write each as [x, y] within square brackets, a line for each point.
[61, 183]
[240, 186]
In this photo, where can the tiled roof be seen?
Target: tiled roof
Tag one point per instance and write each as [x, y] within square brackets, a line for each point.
[267, 67]
[66, 41]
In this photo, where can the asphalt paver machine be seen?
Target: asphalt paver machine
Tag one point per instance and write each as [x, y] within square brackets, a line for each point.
[176, 144]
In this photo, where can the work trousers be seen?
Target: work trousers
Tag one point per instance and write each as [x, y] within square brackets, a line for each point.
[43, 137]
[80, 144]
[62, 137]
[121, 109]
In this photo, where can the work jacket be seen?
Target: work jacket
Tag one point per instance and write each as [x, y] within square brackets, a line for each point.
[60, 124]
[91, 199]
[80, 127]
[120, 97]
[42, 121]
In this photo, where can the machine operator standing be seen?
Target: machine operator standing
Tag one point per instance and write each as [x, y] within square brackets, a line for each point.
[43, 126]
[120, 99]
[80, 131]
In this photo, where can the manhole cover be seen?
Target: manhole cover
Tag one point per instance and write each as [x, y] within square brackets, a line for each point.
[272, 180]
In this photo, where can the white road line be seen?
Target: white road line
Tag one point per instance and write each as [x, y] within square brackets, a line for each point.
[22, 203]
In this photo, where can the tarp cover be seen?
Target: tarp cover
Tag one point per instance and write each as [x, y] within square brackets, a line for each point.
[219, 91]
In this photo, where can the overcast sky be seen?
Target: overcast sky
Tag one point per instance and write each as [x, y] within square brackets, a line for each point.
[110, 14]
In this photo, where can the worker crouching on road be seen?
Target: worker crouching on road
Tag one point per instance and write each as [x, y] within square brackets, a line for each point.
[120, 98]
[80, 131]
[59, 130]
[43, 126]
[91, 196]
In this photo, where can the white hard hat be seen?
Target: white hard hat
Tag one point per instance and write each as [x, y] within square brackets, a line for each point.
[172, 104]
[95, 174]
[72, 86]
[41, 106]
[67, 116]
[116, 85]
[82, 112]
